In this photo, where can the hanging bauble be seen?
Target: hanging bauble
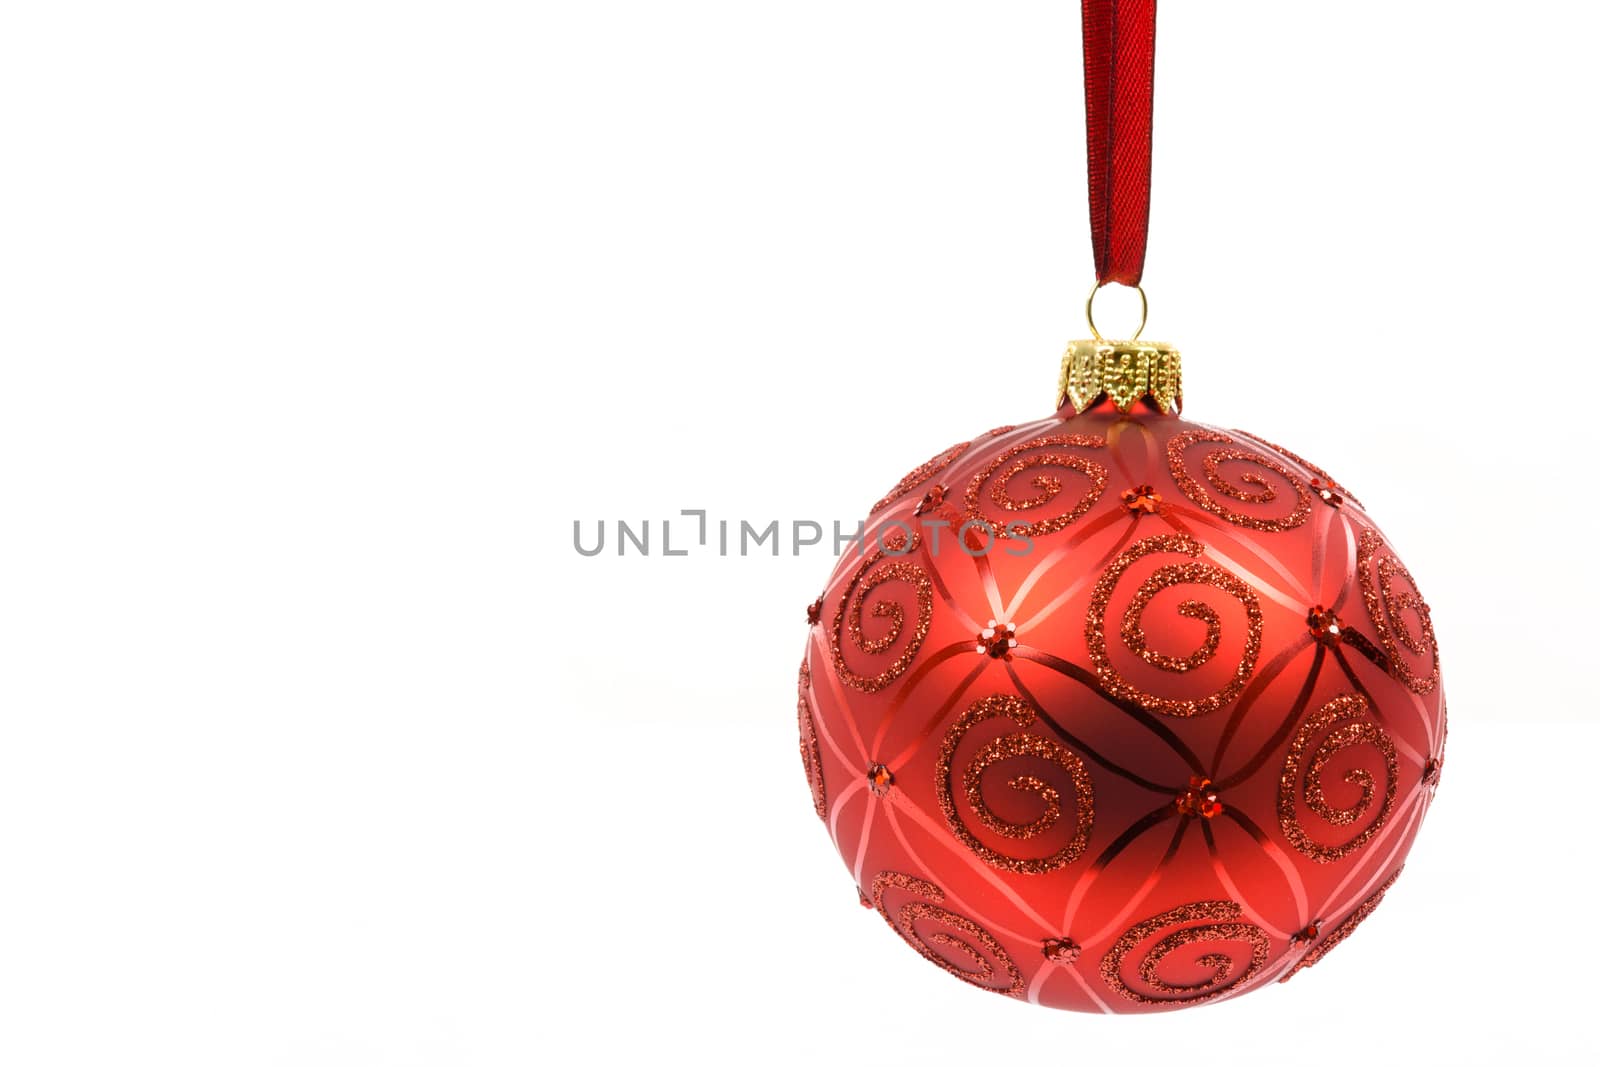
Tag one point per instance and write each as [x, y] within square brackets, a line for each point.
[1113, 711]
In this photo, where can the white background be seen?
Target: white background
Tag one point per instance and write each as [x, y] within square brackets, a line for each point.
[321, 323]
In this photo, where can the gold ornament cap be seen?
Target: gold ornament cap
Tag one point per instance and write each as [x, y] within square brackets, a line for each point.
[1124, 372]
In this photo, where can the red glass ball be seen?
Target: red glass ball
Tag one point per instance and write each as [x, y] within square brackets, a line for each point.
[1121, 712]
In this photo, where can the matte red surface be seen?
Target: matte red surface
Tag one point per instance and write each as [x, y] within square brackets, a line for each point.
[1181, 890]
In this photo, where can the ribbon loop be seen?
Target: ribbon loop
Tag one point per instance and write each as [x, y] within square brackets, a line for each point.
[1119, 54]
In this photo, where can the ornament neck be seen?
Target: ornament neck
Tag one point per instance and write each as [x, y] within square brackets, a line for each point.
[1141, 409]
[1120, 376]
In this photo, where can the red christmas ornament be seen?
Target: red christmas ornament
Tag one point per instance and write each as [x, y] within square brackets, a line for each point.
[1114, 711]
[1137, 716]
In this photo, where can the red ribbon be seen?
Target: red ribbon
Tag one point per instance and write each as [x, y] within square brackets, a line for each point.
[1119, 68]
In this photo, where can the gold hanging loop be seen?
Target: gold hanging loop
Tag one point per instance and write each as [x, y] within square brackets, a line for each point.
[1144, 311]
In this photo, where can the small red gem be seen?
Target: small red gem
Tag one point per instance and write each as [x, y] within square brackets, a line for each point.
[933, 499]
[1430, 772]
[997, 640]
[1325, 626]
[1199, 799]
[814, 612]
[879, 779]
[1061, 950]
[1325, 490]
[1308, 935]
[1141, 500]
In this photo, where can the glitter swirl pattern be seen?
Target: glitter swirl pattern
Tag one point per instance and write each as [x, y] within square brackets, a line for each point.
[1342, 723]
[983, 961]
[810, 749]
[920, 474]
[1263, 491]
[1389, 605]
[1321, 474]
[878, 571]
[1036, 511]
[1133, 635]
[1221, 926]
[998, 750]
[1343, 930]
